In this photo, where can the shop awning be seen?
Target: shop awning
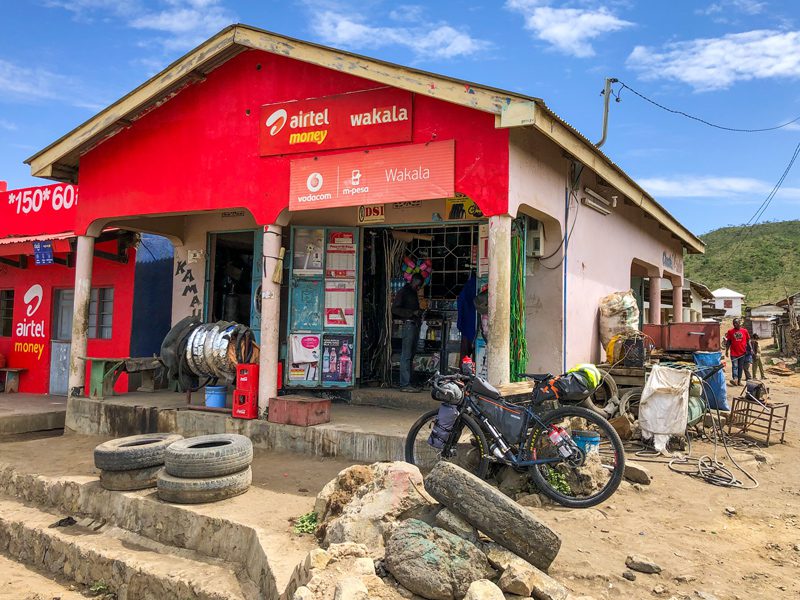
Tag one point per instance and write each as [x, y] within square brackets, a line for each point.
[16, 246]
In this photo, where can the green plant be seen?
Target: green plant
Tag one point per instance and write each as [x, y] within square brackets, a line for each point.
[558, 482]
[306, 524]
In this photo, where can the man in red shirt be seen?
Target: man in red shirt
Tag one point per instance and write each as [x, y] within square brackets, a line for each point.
[736, 344]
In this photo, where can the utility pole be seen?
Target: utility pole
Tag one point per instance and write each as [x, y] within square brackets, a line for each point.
[606, 100]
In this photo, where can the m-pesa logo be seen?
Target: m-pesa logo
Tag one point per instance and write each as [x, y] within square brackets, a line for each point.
[344, 121]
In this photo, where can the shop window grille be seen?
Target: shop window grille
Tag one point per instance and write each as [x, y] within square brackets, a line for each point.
[452, 251]
[101, 312]
[6, 313]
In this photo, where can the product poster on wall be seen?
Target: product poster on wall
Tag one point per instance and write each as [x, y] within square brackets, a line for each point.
[308, 251]
[305, 357]
[340, 302]
[341, 259]
[337, 359]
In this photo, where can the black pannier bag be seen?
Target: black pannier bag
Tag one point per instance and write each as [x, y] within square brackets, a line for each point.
[570, 388]
[443, 425]
[507, 418]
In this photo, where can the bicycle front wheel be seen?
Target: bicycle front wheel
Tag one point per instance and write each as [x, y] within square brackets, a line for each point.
[466, 447]
[595, 470]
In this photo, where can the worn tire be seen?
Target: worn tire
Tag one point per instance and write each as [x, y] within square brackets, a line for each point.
[493, 513]
[135, 479]
[209, 456]
[200, 491]
[133, 452]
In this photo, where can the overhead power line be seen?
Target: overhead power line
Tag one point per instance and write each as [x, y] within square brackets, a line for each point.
[765, 204]
[698, 119]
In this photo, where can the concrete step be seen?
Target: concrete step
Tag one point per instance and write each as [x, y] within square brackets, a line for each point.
[393, 398]
[89, 552]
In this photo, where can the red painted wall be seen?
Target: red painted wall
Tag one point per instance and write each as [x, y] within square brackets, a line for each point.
[199, 150]
[36, 354]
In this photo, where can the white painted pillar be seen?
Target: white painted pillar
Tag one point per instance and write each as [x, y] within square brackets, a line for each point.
[84, 258]
[655, 300]
[498, 346]
[270, 319]
[677, 303]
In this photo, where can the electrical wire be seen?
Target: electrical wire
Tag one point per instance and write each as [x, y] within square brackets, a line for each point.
[765, 204]
[698, 119]
[567, 236]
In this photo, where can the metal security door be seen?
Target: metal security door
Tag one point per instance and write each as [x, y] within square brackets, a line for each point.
[60, 344]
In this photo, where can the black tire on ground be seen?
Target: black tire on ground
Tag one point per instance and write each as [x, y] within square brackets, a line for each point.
[493, 513]
[209, 456]
[475, 443]
[135, 479]
[200, 491]
[133, 452]
[611, 449]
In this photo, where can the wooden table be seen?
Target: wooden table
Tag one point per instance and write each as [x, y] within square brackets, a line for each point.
[11, 382]
[105, 371]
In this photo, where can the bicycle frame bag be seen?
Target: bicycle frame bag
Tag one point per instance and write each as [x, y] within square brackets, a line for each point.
[443, 425]
[507, 418]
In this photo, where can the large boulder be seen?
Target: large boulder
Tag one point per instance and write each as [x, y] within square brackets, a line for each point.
[493, 513]
[364, 503]
[434, 563]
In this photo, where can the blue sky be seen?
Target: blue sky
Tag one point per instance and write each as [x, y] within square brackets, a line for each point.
[733, 62]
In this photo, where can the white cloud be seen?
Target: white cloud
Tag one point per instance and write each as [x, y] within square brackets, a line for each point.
[7, 125]
[26, 84]
[717, 63]
[748, 7]
[733, 188]
[437, 40]
[568, 30]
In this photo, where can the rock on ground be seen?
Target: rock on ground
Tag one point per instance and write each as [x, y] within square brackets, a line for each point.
[637, 473]
[483, 589]
[446, 519]
[637, 562]
[364, 503]
[350, 588]
[520, 577]
[493, 513]
[434, 563]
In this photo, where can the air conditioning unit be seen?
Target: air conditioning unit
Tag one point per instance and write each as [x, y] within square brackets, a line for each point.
[533, 242]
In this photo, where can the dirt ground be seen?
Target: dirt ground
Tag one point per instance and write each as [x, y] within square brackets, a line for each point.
[678, 521]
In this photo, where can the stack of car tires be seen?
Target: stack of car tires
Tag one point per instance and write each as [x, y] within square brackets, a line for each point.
[206, 468]
[132, 463]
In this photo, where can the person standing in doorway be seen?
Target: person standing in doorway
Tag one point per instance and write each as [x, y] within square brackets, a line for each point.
[406, 307]
[737, 341]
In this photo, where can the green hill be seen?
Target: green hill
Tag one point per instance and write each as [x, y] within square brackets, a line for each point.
[762, 261]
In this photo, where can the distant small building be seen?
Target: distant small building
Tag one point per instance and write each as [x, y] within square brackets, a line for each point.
[759, 319]
[729, 300]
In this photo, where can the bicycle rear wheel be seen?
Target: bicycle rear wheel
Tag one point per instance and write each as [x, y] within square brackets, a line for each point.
[466, 447]
[595, 471]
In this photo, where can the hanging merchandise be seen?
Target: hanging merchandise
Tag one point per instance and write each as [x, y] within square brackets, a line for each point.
[519, 344]
[423, 266]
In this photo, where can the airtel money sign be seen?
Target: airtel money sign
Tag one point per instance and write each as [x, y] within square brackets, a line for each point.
[368, 118]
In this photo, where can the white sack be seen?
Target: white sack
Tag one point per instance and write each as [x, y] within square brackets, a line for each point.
[664, 408]
[619, 314]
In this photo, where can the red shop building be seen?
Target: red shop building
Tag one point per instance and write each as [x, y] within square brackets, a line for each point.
[259, 155]
[37, 278]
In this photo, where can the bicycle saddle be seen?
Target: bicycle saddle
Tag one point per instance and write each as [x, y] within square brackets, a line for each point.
[538, 377]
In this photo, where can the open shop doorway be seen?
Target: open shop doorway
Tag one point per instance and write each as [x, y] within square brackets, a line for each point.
[447, 256]
[234, 277]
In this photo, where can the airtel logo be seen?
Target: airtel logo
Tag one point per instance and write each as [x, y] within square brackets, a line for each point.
[277, 120]
[33, 299]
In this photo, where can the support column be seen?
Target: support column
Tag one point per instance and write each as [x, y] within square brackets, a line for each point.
[270, 319]
[498, 346]
[677, 303]
[84, 258]
[655, 300]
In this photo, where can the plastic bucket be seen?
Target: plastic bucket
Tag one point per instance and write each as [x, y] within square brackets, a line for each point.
[216, 395]
[588, 441]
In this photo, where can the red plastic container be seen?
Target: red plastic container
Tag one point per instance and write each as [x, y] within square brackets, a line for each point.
[245, 405]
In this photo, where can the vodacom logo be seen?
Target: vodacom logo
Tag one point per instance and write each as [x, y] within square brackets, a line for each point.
[277, 120]
[314, 182]
[33, 299]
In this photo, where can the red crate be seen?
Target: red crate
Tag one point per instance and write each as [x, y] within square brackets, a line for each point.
[247, 377]
[245, 404]
[299, 410]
